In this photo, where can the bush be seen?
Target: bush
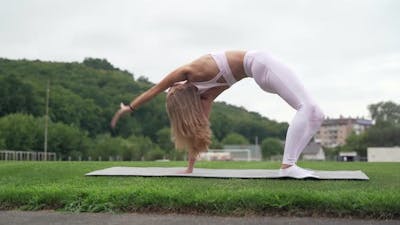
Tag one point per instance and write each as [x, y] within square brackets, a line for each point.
[271, 147]
[19, 132]
[235, 139]
[106, 146]
[25, 132]
[67, 141]
[130, 149]
[155, 154]
[2, 144]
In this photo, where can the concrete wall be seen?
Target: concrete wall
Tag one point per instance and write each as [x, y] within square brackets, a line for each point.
[383, 154]
[319, 156]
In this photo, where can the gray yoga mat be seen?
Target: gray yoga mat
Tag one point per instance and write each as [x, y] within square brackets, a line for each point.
[222, 173]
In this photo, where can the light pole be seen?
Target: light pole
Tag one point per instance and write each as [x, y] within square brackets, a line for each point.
[46, 120]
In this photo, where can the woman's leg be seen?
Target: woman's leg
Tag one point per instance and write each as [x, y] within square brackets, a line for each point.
[278, 78]
[191, 162]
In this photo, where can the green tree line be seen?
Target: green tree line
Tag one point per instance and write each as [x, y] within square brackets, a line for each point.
[83, 98]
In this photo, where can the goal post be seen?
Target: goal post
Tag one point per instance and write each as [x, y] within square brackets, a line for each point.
[235, 154]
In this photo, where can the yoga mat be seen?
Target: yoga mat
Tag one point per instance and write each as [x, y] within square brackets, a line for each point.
[222, 173]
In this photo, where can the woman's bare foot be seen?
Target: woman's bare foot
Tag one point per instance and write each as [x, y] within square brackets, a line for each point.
[185, 172]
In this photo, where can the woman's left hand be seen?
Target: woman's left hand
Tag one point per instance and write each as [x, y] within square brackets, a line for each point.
[124, 109]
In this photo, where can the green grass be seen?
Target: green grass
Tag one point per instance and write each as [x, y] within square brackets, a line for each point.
[63, 186]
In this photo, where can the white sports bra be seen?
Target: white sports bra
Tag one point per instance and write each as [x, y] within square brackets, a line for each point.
[224, 71]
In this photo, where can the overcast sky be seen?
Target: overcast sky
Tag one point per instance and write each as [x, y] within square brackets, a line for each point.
[347, 53]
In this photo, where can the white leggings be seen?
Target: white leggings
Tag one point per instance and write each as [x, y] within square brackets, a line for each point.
[274, 77]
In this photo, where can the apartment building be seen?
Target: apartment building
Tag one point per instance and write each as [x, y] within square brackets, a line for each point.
[334, 132]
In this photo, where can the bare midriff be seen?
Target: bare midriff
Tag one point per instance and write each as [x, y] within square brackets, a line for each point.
[205, 68]
[235, 61]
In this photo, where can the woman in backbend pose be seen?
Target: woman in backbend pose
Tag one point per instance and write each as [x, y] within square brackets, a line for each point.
[193, 88]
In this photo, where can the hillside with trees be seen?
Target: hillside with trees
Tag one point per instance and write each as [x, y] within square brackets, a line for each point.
[83, 98]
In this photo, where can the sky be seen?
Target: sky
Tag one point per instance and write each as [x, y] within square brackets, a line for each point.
[346, 52]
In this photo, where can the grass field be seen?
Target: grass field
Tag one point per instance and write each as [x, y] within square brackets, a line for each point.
[63, 186]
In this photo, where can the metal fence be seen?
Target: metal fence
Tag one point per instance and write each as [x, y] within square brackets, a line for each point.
[27, 155]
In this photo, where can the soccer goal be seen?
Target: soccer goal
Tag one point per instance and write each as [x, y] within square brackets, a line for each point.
[236, 154]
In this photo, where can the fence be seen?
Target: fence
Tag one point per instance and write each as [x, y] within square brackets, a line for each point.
[27, 155]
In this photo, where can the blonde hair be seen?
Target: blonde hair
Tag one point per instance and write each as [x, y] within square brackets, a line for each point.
[190, 128]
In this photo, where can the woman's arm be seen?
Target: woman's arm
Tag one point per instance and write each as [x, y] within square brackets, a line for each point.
[177, 75]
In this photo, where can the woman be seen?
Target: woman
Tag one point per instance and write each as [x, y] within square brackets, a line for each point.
[193, 88]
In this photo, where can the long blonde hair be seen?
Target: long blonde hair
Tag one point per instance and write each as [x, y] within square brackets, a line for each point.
[190, 128]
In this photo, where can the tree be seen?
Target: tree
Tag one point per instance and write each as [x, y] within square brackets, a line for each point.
[106, 146]
[356, 143]
[385, 112]
[70, 108]
[383, 135]
[98, 63]
[144, 79]
[235, 139]
[251, 128]
[2, 144]
[164, 140]
[154, 154]
[386, 131]
[17, 97]
[19, 132]
[132, 148]
[220, 124]
[271, 147]
[25, 132]
[215, 144]
[152, 117]
[67, 140]
[142, 145]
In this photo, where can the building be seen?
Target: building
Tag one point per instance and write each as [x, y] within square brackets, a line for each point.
[313, 151]
[348, 156]
[383, 154]
[334, 132]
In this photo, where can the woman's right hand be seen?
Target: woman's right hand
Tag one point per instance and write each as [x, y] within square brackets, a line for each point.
[124, 109]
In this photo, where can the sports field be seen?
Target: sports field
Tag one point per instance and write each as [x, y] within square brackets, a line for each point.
[63, 186]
